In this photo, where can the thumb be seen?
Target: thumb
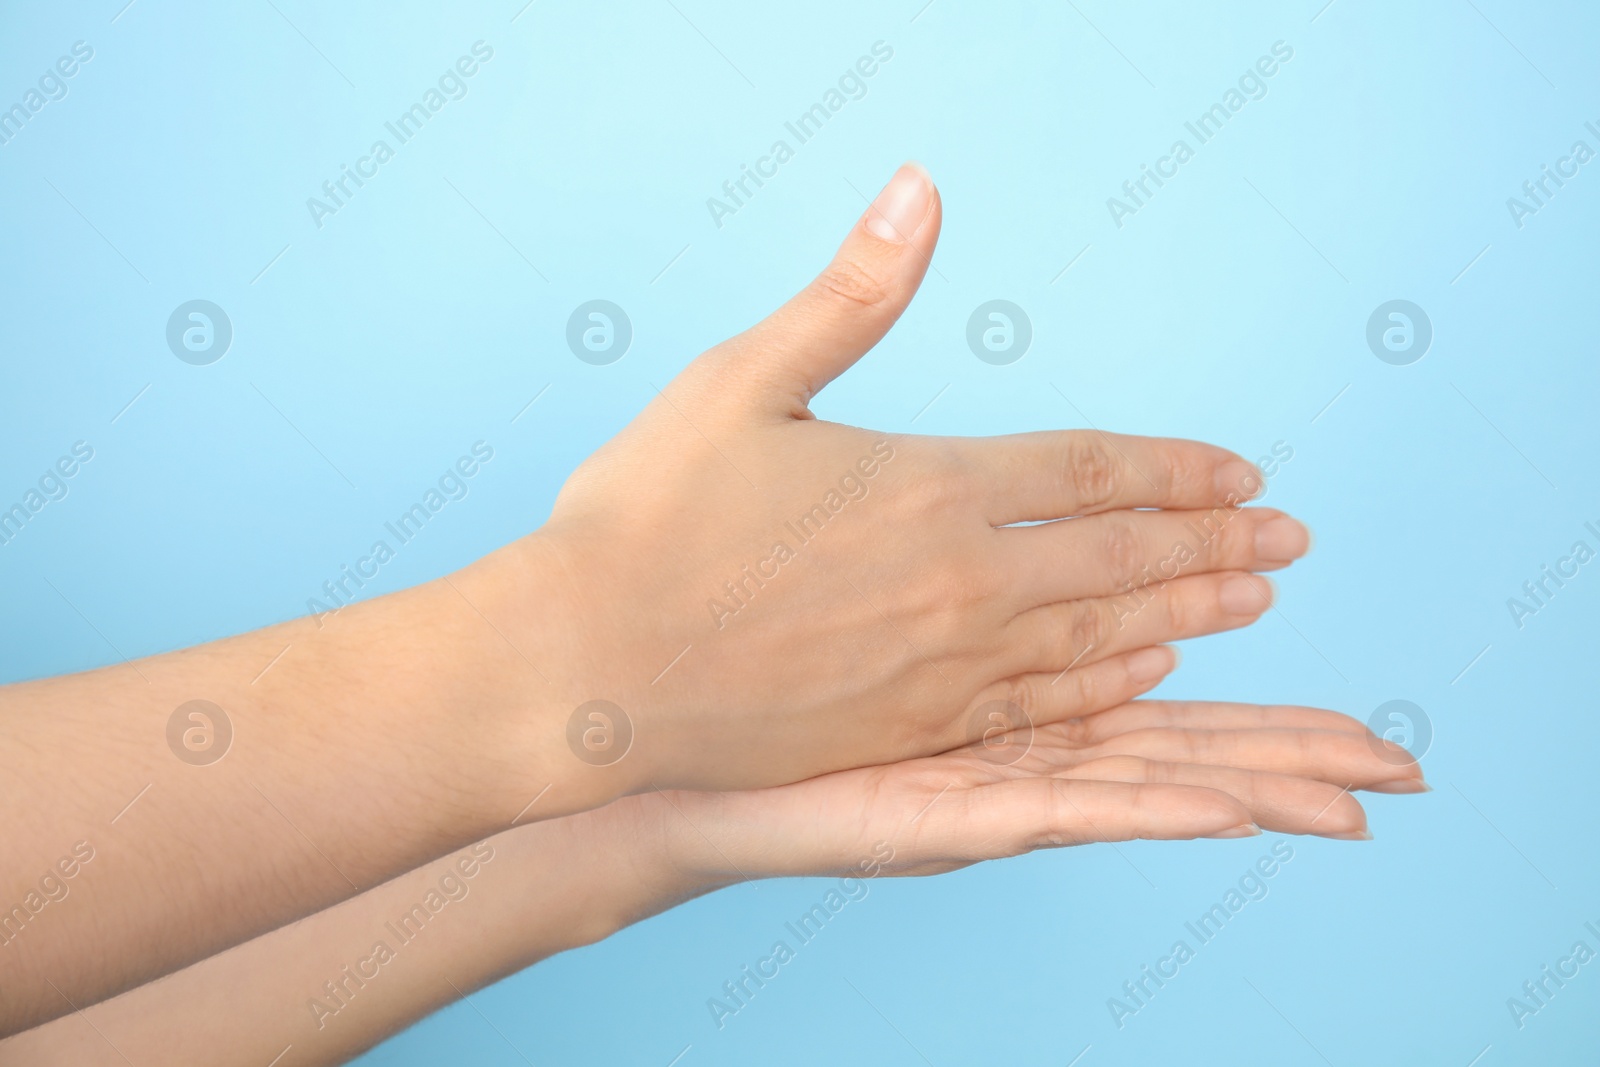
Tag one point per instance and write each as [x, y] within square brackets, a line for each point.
[848, 308]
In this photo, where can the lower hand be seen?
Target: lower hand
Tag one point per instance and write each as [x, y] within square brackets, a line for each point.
[1143, 770]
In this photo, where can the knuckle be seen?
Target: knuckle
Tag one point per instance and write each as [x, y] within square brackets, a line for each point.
[928, 498]
[1193, 746]
[1093, 475]
[1221, 538]
[1022, 691]
[979, 584]
[1078, 732]
[1182, 472]
[959, 587]
[1086, 690]
[851, 282]
[1122, 549]
[1147, 802]
[1086, 628]
[938, 607]
[1055, 826]
[1181, 611]
[942, 485]
[1236, 543]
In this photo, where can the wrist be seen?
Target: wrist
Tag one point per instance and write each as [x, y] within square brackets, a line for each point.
[553, 751]
[722, 838]
[583, 878]
[790, 831]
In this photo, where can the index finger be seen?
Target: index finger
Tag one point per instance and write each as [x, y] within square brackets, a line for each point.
[1062, 473]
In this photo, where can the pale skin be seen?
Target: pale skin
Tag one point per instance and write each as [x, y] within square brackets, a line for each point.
[402, 728]
[1147, 769]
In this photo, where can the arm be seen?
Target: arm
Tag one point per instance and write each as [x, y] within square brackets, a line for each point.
[730, 594]
[319, 989]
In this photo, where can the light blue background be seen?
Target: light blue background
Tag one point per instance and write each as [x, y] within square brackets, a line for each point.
[1232, 308]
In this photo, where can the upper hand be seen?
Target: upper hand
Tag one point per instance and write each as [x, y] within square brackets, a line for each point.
[768, 596]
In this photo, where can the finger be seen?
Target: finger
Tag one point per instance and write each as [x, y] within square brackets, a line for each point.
[1019, 815]
[1086, 631]
[1116, 551]
[1020, 702]
[1345, 759]
[848, 308]
[1278, 802]
[1059, 474]
[1093, 729]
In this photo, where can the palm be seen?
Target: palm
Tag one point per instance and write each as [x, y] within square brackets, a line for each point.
[1147, 769]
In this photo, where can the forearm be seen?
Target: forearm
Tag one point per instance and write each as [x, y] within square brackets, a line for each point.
[325, 989]
[363, 744]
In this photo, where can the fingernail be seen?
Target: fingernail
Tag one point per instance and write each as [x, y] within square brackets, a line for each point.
[1239, 479]
[1150, 664]
[1349, 835]
[902, 205]
[1282, 540]
[1401, 785]
[1245, 595]
[1248, 829]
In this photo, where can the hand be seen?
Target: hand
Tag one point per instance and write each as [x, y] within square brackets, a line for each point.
[768, 596]
[1148, 769]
